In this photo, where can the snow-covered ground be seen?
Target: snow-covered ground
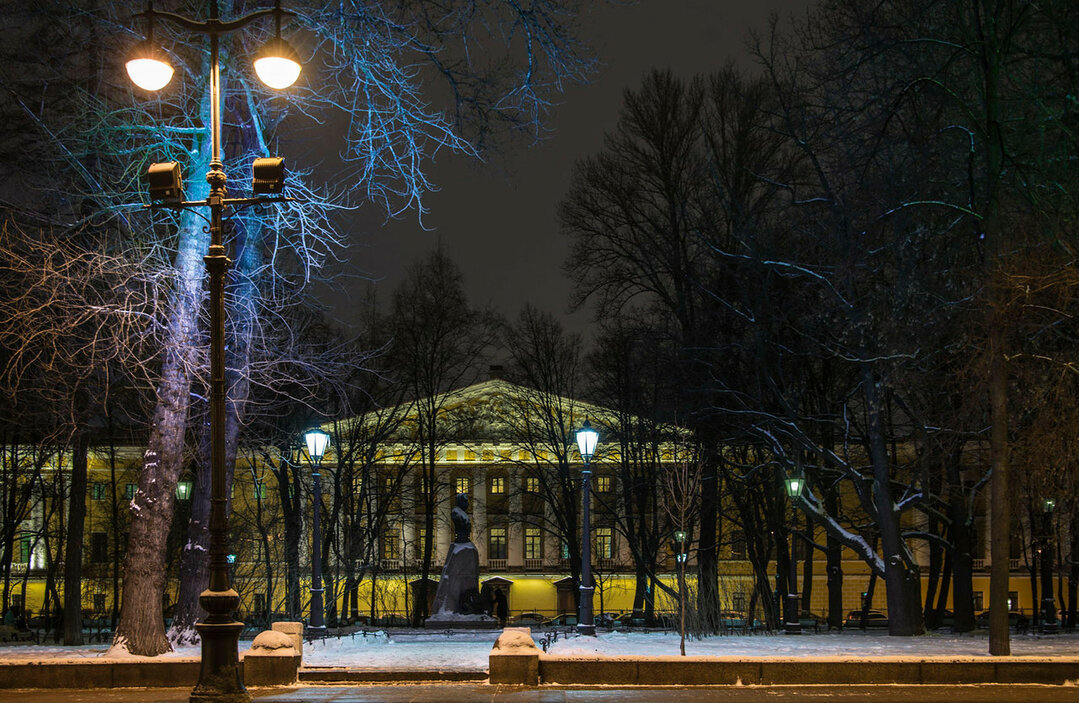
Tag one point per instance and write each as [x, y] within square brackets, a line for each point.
[469, 651]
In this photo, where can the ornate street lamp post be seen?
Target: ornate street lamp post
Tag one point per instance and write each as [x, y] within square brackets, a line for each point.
[1049, 610]
[219, 675]
[587, 439]
[316, 441]
[792, 625]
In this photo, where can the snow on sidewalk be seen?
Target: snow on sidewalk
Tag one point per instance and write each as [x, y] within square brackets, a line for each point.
[462, 651]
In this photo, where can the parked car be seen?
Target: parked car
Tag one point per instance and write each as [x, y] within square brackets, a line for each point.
[530, 620]
[1016, 619]
[873, 618]
[563, 620]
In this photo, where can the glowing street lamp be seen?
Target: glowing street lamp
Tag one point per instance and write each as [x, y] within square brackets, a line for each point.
[792, 624]
[587, 439]
[219, 674]
[316, 441]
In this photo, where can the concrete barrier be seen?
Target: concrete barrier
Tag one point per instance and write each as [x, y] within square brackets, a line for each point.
[293, 630]
[514, 659]
[100, 674]
[272, 660]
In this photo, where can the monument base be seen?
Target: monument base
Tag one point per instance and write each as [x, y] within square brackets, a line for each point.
[456, 621]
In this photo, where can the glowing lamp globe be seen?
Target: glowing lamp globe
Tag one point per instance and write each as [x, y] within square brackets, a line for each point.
[587, 439]
[148, 68]
[316, 444]
[794, 486]
[277, 64]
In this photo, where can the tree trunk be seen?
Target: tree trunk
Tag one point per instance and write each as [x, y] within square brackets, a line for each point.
[901, 575]
[834, 563]
[141, 629]
[708, 547]
[73, 551]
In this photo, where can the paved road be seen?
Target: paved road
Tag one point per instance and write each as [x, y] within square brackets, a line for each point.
[471, 693]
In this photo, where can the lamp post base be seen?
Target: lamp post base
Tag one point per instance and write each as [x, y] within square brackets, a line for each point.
[219, 676]
[792, 625]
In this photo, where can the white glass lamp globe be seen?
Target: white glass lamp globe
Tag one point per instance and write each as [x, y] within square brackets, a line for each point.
[148, 69]
[277, 64]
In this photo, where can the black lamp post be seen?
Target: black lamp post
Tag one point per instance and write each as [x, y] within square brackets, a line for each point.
[219, 675]
[792, 625]
[680, 556]
[316, 441]
[1049, 610]
[587, 439]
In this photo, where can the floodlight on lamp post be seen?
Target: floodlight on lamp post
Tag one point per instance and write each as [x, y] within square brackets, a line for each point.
[587, 439]
[316, 441]
[219, 673]
[792, 624]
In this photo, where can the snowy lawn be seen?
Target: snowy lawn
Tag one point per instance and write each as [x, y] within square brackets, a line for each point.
[468, 651]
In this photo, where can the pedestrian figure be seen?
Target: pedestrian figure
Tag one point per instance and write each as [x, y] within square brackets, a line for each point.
[501, 607]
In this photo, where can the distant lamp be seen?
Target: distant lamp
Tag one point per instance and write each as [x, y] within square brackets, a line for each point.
[165, 181]
[587, 439]
[794, 486]
[183, 490]
[1048, 505]
[148, 68]
[267, 175]
[316, 444]
[679, 536]
[277, 64]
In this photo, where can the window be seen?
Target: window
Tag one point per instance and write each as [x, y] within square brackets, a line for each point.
[99, 602]
[391, 546]
[98, 491]
[604, 543]
[532, 484]
[498, 485]
[183, 490]
[421, 537]
[260, 489]
[451, 455]
[99, 547]
[1013, 600]
[738, 544]
[260, 603]
[24, 547]
[603, 484]
[462, 484]
[563, 551]
[497, 547]
[129, 490]
[533, 543]
[979, 603]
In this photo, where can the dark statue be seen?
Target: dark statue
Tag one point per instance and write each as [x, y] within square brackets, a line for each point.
[462, 524]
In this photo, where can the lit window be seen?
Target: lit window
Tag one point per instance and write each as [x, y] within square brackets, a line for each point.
[532, 484]
[98, 491]
[604, 543]
[603, 484]
[24, 547]
[533, 543]
[260, 489]
[183, 490]
[462, 484]
[498, 485]
[564, 550]
[497, 545]
[129, 490]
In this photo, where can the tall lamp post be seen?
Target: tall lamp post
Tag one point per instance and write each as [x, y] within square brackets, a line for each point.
[791, 623]
[587, 439]
[1049, 610]
[316, 441]
[278, 66]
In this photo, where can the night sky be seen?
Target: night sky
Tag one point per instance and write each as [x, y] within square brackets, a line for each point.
[498, 220]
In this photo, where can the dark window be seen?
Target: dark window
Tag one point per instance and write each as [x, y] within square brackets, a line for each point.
[129, 490]
[497, 544]
[99, 547]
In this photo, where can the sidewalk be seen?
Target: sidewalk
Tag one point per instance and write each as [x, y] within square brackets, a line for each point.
[470, 693]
